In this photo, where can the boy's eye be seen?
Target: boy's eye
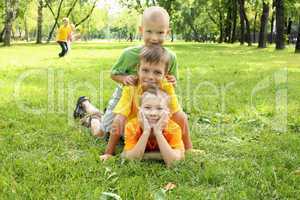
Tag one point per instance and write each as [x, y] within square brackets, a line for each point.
[157, 72]
[148, 31]
[145, 70]
[147, 107]
[159, 108]
[161, 32]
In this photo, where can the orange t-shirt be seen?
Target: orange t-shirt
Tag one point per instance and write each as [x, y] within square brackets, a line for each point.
[133, 132]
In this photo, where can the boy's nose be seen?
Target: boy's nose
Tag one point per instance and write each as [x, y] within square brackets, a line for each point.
[154, 38]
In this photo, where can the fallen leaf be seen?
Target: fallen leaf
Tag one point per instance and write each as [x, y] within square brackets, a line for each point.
[169, 186]
[109, 195]
[297, 172]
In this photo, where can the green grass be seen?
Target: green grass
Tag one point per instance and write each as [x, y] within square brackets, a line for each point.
[251, 151]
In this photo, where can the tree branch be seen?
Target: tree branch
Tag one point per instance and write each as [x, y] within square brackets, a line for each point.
[88, 15]
[72, 7]
[212, 19]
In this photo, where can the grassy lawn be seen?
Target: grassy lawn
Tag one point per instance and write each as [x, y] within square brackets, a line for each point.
[244, 111]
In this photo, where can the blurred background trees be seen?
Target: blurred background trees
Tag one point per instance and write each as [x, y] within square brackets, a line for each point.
[243, 21]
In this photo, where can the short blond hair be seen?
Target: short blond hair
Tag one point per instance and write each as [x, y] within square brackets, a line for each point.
[156, 91]
[65, 19]
[155, 13]
[155, 54]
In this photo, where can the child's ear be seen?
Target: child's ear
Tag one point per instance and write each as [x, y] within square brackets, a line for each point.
[141, 29]
[169, 31]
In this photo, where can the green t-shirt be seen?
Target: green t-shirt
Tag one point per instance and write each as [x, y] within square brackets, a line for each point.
[128, 61]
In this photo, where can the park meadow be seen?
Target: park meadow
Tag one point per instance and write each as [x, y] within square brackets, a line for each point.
[243, 108]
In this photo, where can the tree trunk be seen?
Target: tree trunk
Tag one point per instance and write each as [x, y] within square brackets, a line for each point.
[254, 27]
[39, 22]
[2, 34]
[297, 49]
[280, 24]
[263, 26]
[10, 10]
[26, 29]
[228, 23]
[242, 22]
[221, 38]
[272, 28]
[234, 11]
[248, 32]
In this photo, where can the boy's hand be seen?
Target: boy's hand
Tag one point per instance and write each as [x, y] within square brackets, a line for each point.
[161, 124]
[130, 80]
[171, 79]
[105, 157]
[144, 122]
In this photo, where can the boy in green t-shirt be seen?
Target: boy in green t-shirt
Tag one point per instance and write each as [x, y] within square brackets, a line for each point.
[154, 29]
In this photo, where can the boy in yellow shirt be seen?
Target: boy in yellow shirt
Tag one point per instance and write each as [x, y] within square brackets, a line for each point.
[63, 35]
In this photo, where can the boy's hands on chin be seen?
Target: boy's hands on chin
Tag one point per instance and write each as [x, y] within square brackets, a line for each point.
[105, 157]
[161, 124]
[171, 79]
[130, 80]
[144, 122]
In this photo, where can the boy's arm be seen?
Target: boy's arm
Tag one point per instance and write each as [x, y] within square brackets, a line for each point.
[124, 79]
[115, 134]
[169, 155]
[137, 152]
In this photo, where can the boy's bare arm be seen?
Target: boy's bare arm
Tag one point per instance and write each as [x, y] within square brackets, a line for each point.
[125, 79]
[139, 149]
[115, 134]
[169, 155]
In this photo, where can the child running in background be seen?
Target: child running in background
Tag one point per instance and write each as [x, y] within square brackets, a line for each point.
[63, 35]
[152, 134]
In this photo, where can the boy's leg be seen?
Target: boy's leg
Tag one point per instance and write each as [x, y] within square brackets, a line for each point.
[62, 48]
[108, 116]
[65, 48]
[93, 119]
[116, 132]
[181, 119]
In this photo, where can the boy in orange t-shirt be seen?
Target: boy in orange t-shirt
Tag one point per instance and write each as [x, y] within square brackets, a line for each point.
[153, 135]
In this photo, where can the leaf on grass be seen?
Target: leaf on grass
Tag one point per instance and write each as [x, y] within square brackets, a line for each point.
[169, 186]
[297, 172]
[109, 195]
[111, 175]
[160, 195]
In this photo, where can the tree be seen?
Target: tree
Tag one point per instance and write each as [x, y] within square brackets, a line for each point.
[297, 48]
[279, 24]
[234, 17]
[41, 5]
[244, 20]
[11, 7]
[263, 26]
[56, 18]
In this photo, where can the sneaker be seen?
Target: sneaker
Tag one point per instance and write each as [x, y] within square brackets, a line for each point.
[79, 111]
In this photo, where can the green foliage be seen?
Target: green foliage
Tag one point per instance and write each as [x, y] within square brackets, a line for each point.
[48, 156]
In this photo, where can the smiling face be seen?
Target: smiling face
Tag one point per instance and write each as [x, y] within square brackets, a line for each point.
[155, 25]
[65, 21]
[151, 74]
[154, 32]
[154, 106]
